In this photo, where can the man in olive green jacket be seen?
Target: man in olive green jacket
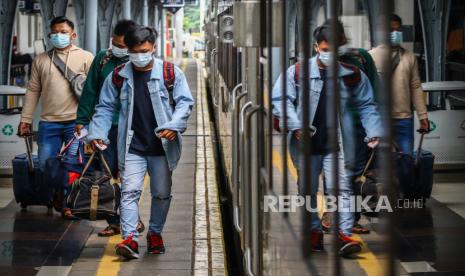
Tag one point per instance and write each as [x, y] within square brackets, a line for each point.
[104, 63]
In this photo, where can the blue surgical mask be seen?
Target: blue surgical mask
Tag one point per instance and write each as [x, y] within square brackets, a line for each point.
[60, 40]
[396, 38]
[326, 58]
[119, 52]
[140, 59]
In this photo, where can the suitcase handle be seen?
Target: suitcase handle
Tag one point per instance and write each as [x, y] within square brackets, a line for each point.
[29, 149]
[102, 160]
[417, 158]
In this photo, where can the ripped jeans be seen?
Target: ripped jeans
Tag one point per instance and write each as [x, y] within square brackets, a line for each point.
[132, 182]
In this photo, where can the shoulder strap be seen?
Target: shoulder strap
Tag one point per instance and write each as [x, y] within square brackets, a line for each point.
[105, 58]
[61, 66]
[116, 79]
[396, 59]
[169, 78]
[352, 79]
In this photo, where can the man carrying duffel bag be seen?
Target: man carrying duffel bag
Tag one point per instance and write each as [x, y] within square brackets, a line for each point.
[151, 120]
[104, 63]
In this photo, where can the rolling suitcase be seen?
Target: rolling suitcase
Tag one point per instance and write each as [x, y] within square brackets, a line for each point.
[423, 170]
[28, 185]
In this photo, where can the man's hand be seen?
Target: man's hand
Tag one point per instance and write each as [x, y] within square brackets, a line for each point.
[168, 134]
[77, 129]
[298, 134]
[424, 126]
[373, 142]
[97, 145]
[24, 129]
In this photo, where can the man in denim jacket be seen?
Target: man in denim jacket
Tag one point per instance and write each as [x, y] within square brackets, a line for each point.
[354, 90]
[149, 135]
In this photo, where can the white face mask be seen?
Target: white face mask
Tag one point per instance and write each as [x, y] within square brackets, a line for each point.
[343, 50]
[141, 60]
[326, 58]
[119, 52]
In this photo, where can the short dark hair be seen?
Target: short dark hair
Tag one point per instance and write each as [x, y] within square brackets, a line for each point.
[396, 18]
[122, 27]
[61, 19]
[323, 32]
[139, 35]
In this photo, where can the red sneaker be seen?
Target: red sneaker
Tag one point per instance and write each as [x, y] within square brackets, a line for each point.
[348, 246]
[128, 249]
[316, 241]
[155, 244]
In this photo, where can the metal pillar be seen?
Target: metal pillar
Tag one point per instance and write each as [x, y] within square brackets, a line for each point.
[434, 16]
[136, 10]
[162, 33]
[79, 10]
[152, 11]
[145, 13]
[179, 37]
[106, 11]
[376, 25]
[203, 11]
[8, 12]
[49, 10]
[118, 12]
[90, 43]
[126, 9]
[313, 21]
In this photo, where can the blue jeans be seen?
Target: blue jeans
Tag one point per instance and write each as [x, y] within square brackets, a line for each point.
[403, 135]
[132, 181]
[323, 163]
[51, 138]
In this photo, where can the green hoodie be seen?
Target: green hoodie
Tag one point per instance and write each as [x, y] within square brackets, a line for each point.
[99, 70]
[360, 58]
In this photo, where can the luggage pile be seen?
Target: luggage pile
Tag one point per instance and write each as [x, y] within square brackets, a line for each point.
[413, 176]
[92, 194]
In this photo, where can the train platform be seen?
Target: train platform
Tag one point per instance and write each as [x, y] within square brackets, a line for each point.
[40, 242]
[428, 241]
